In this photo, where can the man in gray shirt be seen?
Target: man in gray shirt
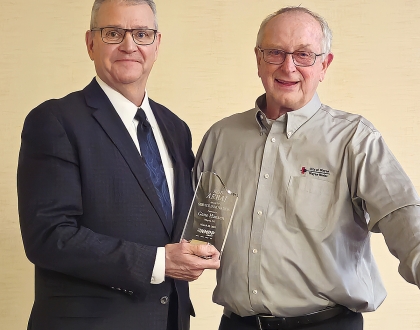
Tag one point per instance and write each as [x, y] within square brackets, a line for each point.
[313, 182]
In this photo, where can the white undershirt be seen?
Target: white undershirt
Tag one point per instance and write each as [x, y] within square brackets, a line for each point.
[127, 110]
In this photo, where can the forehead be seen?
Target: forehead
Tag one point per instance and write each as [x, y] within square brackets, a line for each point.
[292, 30]
[117, 13]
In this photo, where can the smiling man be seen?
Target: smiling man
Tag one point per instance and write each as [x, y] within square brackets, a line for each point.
[104, 187]
[313, 183]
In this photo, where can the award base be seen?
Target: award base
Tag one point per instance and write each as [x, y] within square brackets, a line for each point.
[197, 242]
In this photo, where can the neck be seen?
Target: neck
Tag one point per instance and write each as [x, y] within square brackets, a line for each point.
[134, 94]
[275, 112]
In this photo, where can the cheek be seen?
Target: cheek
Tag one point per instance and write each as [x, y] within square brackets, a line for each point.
[108, 54]
[266, 81]
[266, 75]
[311, 80]
[148, 54]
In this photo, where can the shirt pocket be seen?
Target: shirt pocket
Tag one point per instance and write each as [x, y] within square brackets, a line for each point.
[308, 202]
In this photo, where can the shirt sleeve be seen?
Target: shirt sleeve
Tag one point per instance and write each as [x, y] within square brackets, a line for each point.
[378, 184]
[401, 230]
[158, 274]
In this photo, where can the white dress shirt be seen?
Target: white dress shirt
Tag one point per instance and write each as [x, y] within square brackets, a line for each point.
[127, 111]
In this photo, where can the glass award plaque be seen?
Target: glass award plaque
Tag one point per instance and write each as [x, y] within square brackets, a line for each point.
[210, 213]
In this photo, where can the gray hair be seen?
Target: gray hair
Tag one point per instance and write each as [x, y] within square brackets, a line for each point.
[326, 31]
[98, 3]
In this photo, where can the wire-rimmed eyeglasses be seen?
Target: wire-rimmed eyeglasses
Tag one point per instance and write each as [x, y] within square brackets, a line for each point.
[115, 35]
[278, 56]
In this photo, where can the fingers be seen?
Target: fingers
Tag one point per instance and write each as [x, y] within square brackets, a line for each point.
[206, 252]
[185, 261]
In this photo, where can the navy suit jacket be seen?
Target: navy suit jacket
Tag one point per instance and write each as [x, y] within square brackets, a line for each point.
[91, 220]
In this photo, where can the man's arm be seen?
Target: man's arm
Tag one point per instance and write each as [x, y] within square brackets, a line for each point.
[50, 210]
[401, 230]
[383, 190]
[51, 213]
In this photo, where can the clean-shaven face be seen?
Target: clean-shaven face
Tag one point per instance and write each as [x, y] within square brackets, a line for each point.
[289, 87]
[125, 63]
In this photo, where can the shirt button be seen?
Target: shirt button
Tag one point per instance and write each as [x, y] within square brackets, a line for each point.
[259, 212]
[164, 300]
[254, 251]
[266, 176]
[273, 139]
[254, 291]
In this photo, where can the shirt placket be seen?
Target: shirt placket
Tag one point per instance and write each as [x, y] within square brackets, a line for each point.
[260, 213]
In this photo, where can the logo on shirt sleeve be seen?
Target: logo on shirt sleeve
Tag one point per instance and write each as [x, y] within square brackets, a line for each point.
[318, 172]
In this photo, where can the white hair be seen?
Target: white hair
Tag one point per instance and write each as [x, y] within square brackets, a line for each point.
[98, 3]
[326, 31]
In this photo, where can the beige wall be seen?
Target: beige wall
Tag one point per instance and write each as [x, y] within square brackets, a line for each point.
[206, 71]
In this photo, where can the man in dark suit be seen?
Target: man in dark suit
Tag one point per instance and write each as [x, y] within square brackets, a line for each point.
[97, 219]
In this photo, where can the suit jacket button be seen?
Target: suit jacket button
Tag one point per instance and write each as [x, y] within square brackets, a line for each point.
[164, 300]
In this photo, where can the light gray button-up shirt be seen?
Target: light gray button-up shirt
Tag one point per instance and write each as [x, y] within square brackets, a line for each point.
[312, 185]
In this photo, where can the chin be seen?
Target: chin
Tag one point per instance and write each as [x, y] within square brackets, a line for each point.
[128, 79]
[286, 103]
[291, 102]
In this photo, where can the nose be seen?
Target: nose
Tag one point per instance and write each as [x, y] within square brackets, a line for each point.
[128, 45]
[288, 65]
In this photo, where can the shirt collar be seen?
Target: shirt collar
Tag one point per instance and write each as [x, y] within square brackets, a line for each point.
[295, 119]
[125, 108]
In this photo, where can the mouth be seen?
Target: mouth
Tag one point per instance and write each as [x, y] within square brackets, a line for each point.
[127, 60]
[286, 83]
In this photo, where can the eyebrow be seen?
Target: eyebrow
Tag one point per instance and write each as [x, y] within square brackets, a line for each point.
[298, 47]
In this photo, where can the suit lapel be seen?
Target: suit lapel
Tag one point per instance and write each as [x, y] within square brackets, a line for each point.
[167, 129]
[112, 124]
[169, 135]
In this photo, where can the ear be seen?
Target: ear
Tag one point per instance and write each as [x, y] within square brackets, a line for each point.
[258, 56]
[325, 64]
[89, 43]
[157, 44]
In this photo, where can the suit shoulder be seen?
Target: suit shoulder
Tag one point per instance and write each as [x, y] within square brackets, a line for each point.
[59, 105]
[161, 108]
[164, 111]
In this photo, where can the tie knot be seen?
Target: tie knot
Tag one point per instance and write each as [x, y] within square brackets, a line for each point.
[141, 117]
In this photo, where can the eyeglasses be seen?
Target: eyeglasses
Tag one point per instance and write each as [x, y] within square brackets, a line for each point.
[278, 56]
[114, 35]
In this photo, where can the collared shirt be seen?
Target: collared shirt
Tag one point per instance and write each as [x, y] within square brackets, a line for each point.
[312, 185]
[127, 110]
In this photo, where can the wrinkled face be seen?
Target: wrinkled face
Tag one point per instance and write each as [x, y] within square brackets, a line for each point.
[126, 63]
[289, 87]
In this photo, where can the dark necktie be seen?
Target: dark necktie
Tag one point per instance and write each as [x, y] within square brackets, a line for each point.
[150, 153]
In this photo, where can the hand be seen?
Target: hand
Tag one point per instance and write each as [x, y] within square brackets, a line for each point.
[185, 261]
